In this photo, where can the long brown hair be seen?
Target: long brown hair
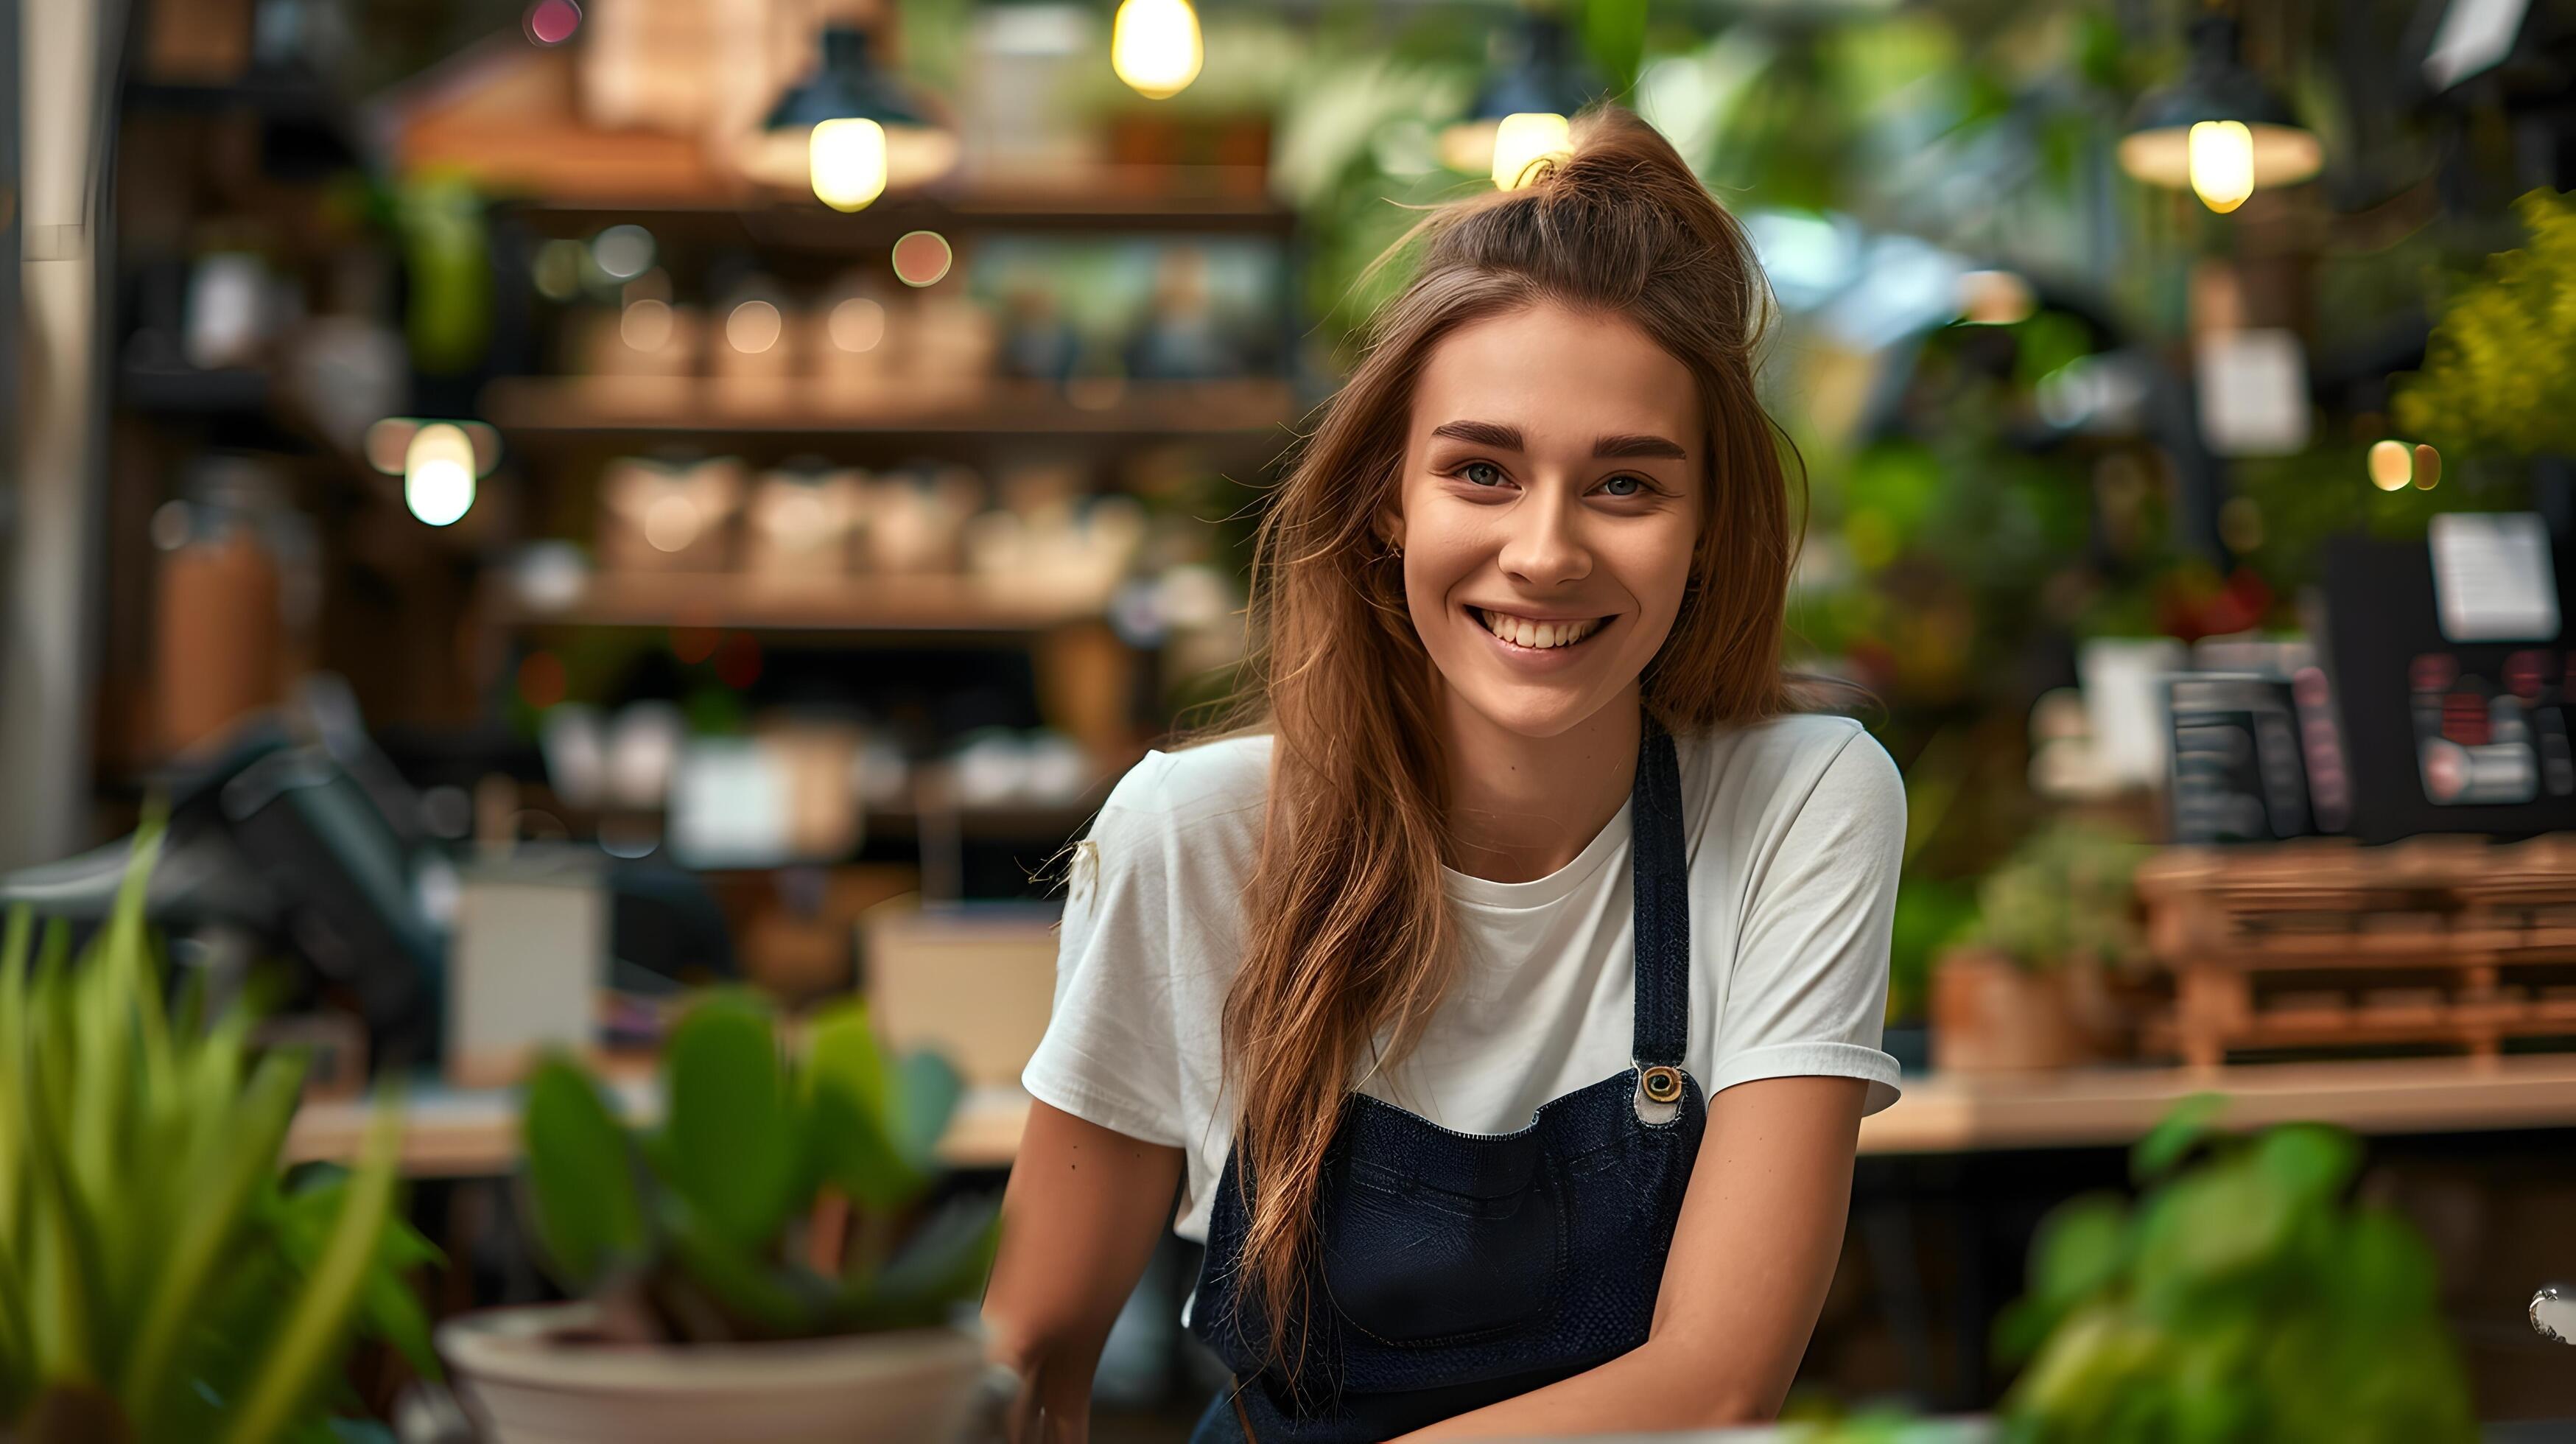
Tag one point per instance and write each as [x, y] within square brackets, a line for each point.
[1348, 933]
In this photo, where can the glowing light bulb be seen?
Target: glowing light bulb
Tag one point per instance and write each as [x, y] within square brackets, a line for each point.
[1154, 46]
[2392, 465]
[847, 161]
[438, 473]
[1525, 139]
[2222, 163]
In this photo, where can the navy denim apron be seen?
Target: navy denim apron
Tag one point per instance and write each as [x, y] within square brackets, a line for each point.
[1457, 1269]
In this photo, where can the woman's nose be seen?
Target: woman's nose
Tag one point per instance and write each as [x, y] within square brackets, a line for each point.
[1543, 543]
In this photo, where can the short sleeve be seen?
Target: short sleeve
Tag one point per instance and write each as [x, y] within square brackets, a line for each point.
[1809, 990]
[1111, 1053]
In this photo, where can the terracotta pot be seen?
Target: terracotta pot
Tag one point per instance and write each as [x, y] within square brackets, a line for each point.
[1990, 1015]
[527, 1383]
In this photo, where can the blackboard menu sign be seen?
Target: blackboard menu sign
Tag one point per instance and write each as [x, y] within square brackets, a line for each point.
[2452, 671]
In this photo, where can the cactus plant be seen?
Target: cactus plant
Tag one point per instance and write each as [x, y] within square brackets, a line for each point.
[159, 1278]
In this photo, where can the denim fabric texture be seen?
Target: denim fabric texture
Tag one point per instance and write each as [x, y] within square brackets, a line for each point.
[1454, 1269]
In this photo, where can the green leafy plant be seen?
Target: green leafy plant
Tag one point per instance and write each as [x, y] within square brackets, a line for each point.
[2240, 1299]
[2497, 375]
[720, 1223]
[2065, 893]
[159, 1280]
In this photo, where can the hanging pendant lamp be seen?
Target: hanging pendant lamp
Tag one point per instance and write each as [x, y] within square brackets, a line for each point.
[1522, 112]
[849, 131]
[2219, 131]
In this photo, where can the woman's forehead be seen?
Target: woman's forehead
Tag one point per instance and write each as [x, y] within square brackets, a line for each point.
[1562, 378]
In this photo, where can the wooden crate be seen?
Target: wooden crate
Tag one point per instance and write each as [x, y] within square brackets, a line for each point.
[2319, 946]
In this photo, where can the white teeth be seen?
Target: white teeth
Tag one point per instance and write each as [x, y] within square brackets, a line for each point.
[1536, 635]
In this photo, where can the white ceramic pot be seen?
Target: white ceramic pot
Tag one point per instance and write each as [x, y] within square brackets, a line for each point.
[526, 1385]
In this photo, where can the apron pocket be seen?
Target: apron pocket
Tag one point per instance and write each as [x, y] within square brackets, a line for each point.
[1409, 1262]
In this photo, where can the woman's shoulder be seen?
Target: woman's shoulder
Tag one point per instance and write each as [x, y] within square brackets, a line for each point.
[1219, 783]
[1776, 769]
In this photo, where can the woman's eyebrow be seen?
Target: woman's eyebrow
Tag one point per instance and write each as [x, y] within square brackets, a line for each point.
[1638, 446]
[1482, 433]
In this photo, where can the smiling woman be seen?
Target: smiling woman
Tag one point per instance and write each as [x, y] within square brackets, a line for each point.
[1501, 985]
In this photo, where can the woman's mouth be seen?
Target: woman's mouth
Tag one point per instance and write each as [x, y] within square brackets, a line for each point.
[1522, 634]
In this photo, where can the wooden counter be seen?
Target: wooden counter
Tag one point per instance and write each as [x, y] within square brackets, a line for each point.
[470, 1133]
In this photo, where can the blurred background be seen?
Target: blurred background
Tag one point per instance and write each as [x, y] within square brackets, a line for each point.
[569, 502]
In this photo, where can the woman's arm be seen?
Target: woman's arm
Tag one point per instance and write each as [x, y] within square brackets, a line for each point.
[1080, 1218]
[1753, 1252]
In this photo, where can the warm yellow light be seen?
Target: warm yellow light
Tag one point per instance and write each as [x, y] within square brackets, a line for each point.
[1154, 46]
[2391, 465]
[2428, 468]
[2222, 163]
[753, 327]
[1523, 140]
[438, 473]
[847, 162]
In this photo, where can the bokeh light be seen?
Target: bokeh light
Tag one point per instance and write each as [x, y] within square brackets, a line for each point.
[1523, 140]
[2391, 465]
[921, 258]
[846, 160]
[752, 327]
[1154, 46]
[857, 324]
[646, 325]
[2428, 468]
[623, 251]
[438, 474]
[2222, 163]
[552, 22]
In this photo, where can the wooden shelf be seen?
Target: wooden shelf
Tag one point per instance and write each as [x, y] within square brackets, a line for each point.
[843, 605]
[1209, 200]
[666, 406]
[2112, 1107]
[456, 1133]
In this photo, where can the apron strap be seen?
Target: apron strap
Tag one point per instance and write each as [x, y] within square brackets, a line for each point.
[1661, 882]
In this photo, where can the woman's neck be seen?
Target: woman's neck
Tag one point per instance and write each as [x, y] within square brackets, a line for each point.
[1521, 807]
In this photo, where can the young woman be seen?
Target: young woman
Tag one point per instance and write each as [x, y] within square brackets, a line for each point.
[1503, 997]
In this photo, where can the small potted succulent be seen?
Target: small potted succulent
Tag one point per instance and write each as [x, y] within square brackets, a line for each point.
[756, 1266]
[161, 1278]
[2025, 985]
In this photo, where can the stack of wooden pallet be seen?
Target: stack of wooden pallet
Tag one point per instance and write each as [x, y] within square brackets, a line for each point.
[2316, 948]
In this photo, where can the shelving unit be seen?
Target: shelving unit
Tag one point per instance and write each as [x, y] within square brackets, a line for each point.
[535, 407]
[846, 606]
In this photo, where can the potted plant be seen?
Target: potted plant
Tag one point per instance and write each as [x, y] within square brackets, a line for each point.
[2241, 1299]
[2024, 987]
[755, 1266]
[159, 1280]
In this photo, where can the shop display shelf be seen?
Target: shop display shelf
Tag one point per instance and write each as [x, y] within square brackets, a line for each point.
[664, 406]
[918, 603]
[1210, 200]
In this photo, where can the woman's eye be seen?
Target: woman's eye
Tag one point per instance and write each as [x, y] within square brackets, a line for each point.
[1481, 473]
[1636, 487]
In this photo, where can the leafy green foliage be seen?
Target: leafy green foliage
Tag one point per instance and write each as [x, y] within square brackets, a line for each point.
[2064, 893]
[157, 1279]
[2498, 375]
[2241, 1299]
[701, 1230]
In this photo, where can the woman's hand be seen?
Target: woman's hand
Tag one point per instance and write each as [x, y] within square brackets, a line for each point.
[1083, 1212]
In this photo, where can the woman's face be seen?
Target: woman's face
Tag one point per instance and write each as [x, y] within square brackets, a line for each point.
[1550, 504]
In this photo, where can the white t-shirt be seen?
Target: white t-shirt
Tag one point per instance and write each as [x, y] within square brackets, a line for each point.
[1795, 829]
